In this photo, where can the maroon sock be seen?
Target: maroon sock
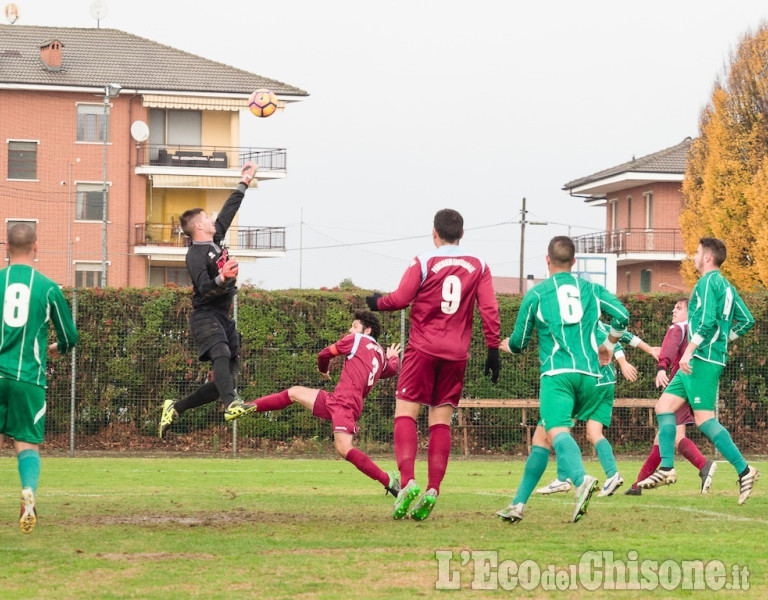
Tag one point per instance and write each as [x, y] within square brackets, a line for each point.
[273, 402]
[437, 454]
[691, 452]
[406, 444]
[650, 465]
[366, 466]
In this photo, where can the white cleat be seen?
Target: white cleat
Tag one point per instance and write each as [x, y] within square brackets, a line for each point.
[555, 486]
[611, 485]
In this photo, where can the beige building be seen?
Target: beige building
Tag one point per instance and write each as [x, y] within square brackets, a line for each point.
[642, 199]
[96, 118]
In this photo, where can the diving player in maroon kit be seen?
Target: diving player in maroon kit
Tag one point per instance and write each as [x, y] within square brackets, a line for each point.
[442, 287]
[365, 363]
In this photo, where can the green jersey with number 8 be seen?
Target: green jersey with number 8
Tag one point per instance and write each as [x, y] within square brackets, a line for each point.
[565, 311]
[30, 301]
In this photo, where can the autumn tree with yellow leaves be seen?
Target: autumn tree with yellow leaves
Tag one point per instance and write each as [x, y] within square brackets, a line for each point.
[726, 179]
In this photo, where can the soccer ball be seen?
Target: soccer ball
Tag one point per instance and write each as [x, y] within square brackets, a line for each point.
[262, 103]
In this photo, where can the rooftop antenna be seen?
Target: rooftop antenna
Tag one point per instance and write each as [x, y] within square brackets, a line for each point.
[99, 10]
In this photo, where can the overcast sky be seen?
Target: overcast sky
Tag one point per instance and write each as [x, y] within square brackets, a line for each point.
[421, 105]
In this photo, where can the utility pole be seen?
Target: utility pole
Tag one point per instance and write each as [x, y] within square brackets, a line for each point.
[523, 223]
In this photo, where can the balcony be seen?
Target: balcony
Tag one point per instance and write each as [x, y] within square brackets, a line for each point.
[164, 241]
[634, 244]
[208, 161]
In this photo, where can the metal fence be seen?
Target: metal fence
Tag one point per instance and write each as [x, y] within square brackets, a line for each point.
[108, 394]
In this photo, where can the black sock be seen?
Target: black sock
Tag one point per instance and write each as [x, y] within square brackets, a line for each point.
[205, 394]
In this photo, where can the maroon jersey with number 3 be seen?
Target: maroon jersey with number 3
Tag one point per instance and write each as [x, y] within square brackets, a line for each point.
[442, 287]
[365, 364]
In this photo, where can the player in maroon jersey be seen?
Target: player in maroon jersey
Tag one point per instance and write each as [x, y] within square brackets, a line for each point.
[442, 287]
[672, 348]
[365, 362]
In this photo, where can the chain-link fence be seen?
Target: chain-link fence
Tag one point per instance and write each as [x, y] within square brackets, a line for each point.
[135, 351]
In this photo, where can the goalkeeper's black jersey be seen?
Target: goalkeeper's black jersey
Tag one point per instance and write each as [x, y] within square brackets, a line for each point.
[204, 259]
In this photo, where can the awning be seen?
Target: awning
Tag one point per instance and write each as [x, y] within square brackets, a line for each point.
[207, 182]
[194, 102]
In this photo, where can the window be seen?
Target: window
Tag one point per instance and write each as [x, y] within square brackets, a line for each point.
[159, 276]
[645, 280]
[89, 204]
[629, 282]
[614, 221]
[92, 126]
[648, 210]
[629, 212]
[87, 274]
[175, 127]
[22, 160]
[11, 222]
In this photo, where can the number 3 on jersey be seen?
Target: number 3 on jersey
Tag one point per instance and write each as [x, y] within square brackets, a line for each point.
[451, 295]
[569, 299]
[16, 305]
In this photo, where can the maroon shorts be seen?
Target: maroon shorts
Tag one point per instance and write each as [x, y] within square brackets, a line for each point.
[343, 415]
[430, 381]
[684, 415]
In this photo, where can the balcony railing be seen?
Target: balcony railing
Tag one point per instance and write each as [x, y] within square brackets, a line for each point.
[627, 241]
[220, 157]
[237, 238]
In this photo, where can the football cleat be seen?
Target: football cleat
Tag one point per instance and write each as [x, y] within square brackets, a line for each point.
[583, 494]
[746, 483]
[393, 487]
[555, 486]
[706, 473]
[238, 408]
[167, 416]
[512, 513]
[611, 485]
[28, 517]
[425, 505]
[633, 491]
[657, 479]
[404, 498]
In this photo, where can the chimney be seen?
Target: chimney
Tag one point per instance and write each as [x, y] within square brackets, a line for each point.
[50, 54]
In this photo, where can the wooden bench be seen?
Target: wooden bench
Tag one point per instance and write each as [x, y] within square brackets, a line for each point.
[524, 404]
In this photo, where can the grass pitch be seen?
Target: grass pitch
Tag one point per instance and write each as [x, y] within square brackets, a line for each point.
[288, 528]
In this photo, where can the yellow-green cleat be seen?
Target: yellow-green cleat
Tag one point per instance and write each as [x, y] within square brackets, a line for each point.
[238, 408]
[425, 505]
[404, 498]
[167, 416]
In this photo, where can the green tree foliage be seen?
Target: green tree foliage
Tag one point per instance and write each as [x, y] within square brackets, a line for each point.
[726, 181]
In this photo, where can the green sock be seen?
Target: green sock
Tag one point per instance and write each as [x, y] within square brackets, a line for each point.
[606, 458]
[561, 474]
[667, 430]
[534, 469]
[29, 468]
[569, 455]
[724, 444]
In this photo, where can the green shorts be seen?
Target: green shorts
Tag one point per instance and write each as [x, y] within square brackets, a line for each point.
[22, 411]
[565, 395]
[700, 387]
[600, 406]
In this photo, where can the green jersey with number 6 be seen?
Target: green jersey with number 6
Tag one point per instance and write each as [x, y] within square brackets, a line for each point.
[716, 314]
[565, 311]
[30, 301]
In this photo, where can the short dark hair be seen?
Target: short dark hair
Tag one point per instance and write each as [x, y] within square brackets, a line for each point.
[187, 218]
[368, 319]
[21, 238]
[715, 247]
[561, 251]
[684, 300]
[449, 225]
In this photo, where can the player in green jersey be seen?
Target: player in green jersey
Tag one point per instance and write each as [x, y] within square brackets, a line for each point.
[565, 311]
[29, 301]
[716, 314]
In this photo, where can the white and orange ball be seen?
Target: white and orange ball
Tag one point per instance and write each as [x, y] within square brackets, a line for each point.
[262, 103]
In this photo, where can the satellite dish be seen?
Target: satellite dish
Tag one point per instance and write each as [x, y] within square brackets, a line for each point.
[139, 131]
[98, 10]
[11, 13]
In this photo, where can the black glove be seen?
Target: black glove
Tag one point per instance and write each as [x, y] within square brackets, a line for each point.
[493, 364]
[372, 301]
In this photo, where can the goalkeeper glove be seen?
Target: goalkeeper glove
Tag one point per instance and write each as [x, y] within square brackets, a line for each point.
[372, 301]
[493, 364]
